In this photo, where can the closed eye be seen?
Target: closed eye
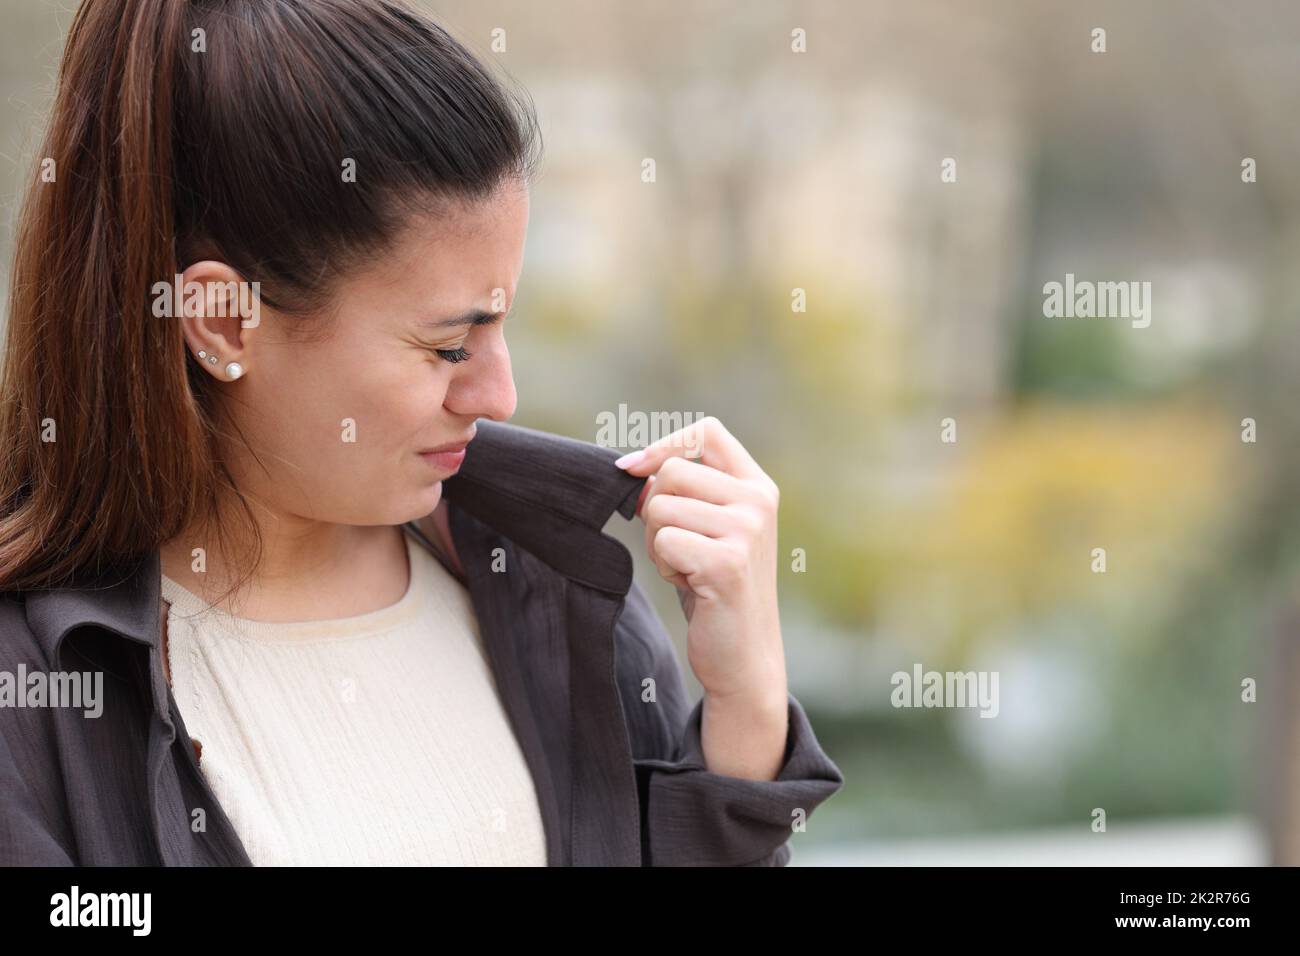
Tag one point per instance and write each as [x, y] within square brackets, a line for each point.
[475, 319]
[453, 355]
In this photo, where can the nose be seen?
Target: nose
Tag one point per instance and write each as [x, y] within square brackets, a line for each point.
[484, 386]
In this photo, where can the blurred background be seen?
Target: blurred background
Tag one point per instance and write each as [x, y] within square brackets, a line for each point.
[813, 161]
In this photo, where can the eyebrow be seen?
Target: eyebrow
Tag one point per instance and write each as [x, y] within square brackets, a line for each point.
[472, 317]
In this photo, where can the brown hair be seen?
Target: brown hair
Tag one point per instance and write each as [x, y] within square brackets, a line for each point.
[189, 129]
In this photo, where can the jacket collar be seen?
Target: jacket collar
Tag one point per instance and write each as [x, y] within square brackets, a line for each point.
[550, 494]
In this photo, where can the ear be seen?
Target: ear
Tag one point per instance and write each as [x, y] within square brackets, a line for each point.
[219, 312]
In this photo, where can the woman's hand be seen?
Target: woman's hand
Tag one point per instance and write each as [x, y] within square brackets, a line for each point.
[710, 516]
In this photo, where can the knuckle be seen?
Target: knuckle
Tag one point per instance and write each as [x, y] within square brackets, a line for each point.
[767, 494]
[751, 523]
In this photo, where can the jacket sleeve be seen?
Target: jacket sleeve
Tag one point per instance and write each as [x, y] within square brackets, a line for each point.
[691, 816]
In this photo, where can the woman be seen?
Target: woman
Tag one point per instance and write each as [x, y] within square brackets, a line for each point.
[259, 482]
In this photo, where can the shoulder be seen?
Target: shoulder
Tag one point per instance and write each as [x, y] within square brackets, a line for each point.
[34, 827]
[17, 641]
[25, 734]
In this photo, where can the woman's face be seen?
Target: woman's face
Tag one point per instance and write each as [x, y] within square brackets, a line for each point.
[339, 425]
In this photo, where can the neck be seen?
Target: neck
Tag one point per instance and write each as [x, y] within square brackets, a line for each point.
[308, 570]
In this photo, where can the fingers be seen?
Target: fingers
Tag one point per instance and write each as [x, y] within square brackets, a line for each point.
[698, 517]
[681, 476]
[706, 441]
[711, 520]
[706, 505]
[681, 550]
[664, 514]
[708, 566]
[665, 569]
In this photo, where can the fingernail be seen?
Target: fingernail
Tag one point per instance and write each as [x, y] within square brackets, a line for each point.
[631, 458]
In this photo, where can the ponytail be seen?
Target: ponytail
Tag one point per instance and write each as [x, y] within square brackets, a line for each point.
[100, 438]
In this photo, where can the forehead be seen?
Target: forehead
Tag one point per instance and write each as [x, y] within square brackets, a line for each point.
[451, 259]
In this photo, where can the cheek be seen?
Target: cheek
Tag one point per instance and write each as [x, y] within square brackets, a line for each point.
[334, 417]
[351, 419]
[414, 397]
[403, 402]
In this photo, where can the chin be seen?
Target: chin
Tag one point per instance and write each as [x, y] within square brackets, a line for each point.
[400, 506]
[420, 503]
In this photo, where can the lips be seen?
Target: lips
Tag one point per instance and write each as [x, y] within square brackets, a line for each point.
[450, 447]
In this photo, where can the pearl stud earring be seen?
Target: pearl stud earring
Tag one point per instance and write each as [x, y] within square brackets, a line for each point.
[233, 369]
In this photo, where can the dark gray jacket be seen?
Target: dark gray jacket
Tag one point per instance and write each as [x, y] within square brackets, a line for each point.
[570, 637]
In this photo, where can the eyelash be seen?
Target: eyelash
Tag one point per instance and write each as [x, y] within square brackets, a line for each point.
[453, 355]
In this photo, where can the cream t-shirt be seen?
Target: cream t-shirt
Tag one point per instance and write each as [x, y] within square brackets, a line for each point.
[377, 739]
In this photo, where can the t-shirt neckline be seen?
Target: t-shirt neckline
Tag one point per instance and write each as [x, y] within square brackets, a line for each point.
[185, 603]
